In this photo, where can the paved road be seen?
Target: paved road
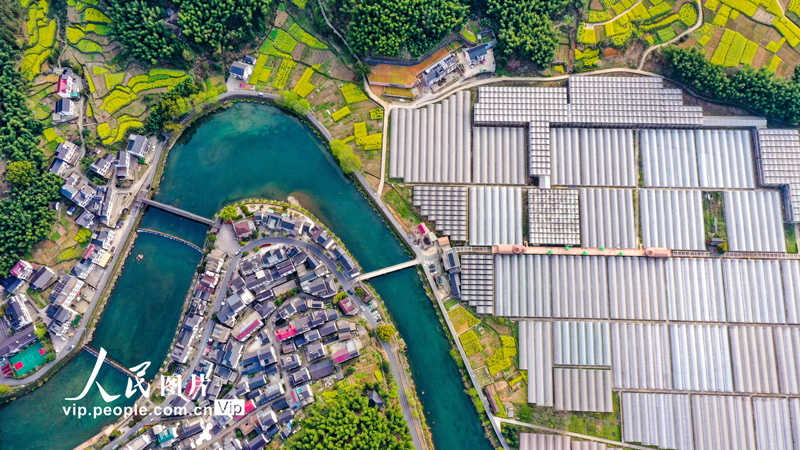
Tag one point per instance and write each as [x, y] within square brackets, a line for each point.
[123, 233]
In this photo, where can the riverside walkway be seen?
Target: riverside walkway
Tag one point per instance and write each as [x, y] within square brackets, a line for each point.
[390, 269]
[177, 211]
[169, 236]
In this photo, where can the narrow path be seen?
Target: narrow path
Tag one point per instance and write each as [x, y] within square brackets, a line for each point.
[571, 434]
[330, 25]
[694, 27]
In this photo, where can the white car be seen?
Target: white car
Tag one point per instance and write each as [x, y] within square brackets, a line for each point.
[237, 252]
[363, 308]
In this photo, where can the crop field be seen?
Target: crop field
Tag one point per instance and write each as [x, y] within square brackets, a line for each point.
[352, 93]
[304, 86]
[764, 35]
[282, 76]
[283, 41]
[41, 37]
[117, 98]
[341, 113]
[301, 35]
[749, 33]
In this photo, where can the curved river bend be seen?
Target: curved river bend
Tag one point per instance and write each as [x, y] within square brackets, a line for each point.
[245, 151]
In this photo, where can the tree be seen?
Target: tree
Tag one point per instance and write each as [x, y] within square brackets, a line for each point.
[386, 332]
[19, 173]
[25, 214]
[757, 90]
[229, 213]
[525, 27]
[361, 69]
[349, 161]
[4, 389]
[339, 297]
[220, 25]
[296, 103]
[347, 422]
[360, 292]
[525, 412]
[385, 27]
[40, 331]
[140, 28]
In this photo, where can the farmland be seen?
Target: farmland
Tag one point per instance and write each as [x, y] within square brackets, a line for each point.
[733, 33]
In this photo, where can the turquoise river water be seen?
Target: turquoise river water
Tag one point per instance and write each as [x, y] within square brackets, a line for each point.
[244, 151]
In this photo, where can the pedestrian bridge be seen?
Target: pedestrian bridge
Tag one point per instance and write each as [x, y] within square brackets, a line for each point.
[390, 269]
[108, 360]
[177, 211]
[169, 236]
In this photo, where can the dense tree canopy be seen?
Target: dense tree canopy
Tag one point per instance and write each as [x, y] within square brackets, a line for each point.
[524, 27]
[19, 173]
[173, 105]
[25, 216]
[139, 27]
[348, 423]
[296, 103]
[385, 27]
[386, 332]
[218, 25]
[349, 161]
[758, 90]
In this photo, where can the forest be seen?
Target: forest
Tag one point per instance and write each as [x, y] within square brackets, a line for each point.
[525, 28]
[206, 28]
[394, 27]
[385, 27]
[25, 215]
[348, 423]
[756, 90]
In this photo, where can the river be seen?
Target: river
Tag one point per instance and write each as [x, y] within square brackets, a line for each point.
[259, 151]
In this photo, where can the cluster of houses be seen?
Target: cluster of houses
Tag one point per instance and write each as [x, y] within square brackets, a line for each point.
[17, 331]
[268, 357]
[97, 203]
[276, 333]
[297, 227]
[184, 435]
[59, 315]
[202, 300]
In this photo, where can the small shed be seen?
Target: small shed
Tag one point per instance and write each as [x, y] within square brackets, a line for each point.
[375, 400]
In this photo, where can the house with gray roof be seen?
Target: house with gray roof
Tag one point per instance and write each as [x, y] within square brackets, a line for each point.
[17, 311]
[104, 166]
[138, 145]
[241, 71]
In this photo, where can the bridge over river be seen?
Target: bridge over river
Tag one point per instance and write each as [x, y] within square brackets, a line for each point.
[177, 211]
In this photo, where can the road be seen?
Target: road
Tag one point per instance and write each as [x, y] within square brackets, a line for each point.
[120, 238]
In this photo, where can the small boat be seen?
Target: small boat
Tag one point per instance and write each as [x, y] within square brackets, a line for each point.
[139, 257]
